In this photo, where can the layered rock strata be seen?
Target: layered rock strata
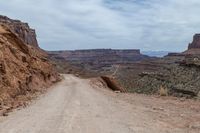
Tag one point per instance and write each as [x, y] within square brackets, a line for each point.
[21, 29]
[24, 68]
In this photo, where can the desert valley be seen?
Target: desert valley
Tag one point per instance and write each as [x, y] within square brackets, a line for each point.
[95, 90]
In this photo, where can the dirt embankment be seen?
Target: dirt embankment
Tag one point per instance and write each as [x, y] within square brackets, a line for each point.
[24, 70]
[113, 84]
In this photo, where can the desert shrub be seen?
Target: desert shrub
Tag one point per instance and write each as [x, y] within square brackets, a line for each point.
[163, 91]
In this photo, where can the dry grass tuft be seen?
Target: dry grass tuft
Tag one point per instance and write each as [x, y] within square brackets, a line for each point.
[163, 91]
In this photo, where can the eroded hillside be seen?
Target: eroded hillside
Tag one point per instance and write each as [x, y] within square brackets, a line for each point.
[21, 29]
[177, 74]
[24, 69]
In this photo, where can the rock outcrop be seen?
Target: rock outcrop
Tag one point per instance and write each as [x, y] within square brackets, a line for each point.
[196, 42]
[21, 29]
[24, 69]
[193, 48]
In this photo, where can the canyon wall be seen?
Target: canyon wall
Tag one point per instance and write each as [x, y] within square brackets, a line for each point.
[22, 30]
[94, 62]
[24, 68]
[99, 56]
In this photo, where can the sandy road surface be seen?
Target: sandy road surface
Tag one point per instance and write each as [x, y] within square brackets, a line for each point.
[74, 106]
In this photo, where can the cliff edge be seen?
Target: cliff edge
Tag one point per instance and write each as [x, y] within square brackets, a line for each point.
[21, 29]
[194, 47]
[196, 42]
[24, 69]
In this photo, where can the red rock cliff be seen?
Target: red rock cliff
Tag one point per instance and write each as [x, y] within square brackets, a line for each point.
[196, 42]
[23, 30]
[24, 69]
[194, 47]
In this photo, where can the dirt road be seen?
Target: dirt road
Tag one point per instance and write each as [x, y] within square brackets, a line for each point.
[74, 106]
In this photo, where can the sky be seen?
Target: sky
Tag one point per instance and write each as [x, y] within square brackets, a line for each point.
[156, 25]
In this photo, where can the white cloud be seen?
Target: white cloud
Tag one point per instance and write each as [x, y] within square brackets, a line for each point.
[76, 24]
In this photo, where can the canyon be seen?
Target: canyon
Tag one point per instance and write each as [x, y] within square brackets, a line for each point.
[92, 61]
[98, 90]
[134, 72]
[99, 57]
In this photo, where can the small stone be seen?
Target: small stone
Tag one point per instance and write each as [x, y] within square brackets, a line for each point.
[5, 114]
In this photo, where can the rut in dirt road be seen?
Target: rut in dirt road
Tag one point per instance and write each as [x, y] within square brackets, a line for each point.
[74, 106]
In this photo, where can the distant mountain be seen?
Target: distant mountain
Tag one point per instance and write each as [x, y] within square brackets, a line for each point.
[155, 53]
[95, 62]
[100, 56]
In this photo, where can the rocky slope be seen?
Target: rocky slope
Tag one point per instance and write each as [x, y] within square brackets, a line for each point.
[24, 69]
[177, 74]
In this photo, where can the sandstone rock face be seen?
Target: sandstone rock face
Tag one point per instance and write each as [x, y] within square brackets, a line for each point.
[24, 69]
[193, 48]
[196, 42]
[21, 29]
